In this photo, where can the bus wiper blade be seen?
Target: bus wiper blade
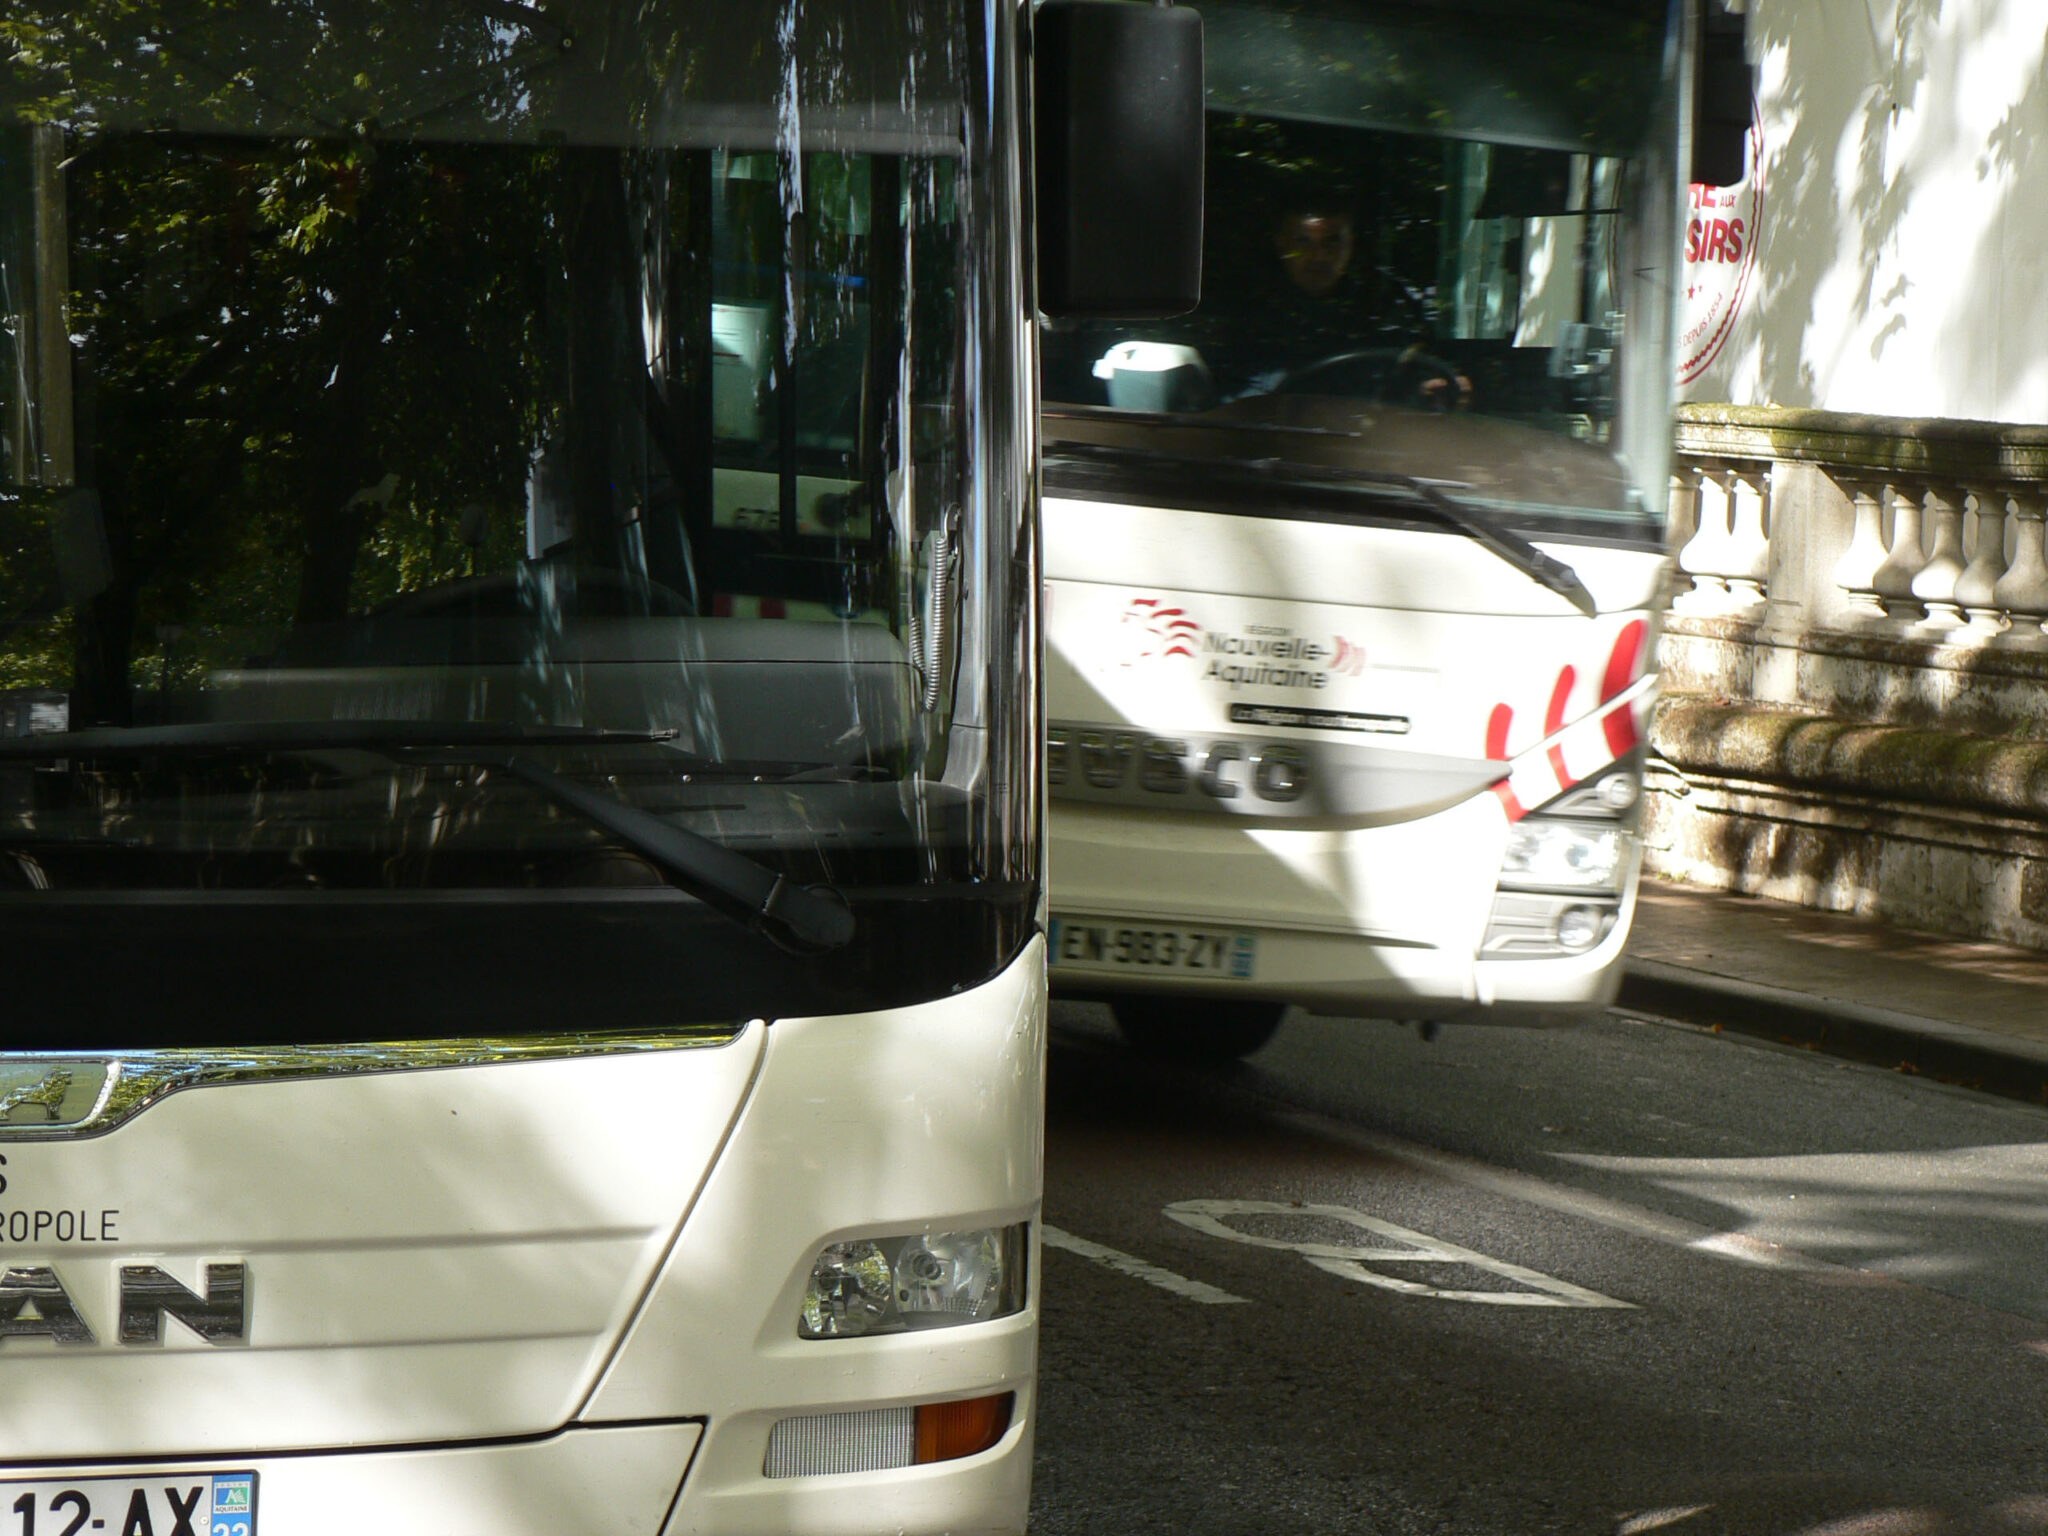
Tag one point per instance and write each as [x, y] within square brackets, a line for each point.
[796, 916]
[1436, 495]
[1433, 494]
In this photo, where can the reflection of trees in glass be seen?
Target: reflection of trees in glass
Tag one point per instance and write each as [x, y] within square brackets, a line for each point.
[350, 284]
[32, 654]
[1570, 74]
[389, 337]
[286, 351]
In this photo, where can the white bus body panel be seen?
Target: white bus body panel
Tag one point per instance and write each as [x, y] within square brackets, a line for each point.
[924, 1117]
[1435, 654]
[439, 1255]
[536, 1252]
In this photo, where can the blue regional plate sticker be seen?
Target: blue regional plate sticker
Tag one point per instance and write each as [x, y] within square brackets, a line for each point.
[234, 1504]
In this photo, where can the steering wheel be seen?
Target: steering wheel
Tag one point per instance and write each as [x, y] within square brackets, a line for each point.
[1403, 376]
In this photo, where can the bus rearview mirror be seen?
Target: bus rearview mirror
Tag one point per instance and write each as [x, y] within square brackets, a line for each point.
[1117, 100]
[1724, 90]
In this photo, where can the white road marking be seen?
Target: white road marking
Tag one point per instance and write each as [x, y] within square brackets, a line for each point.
[1530, 1190]
[1659, 1519]
[1137, 1268]
[1352, 1262]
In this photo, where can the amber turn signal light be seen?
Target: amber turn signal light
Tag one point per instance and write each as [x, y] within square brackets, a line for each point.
[948, 1431]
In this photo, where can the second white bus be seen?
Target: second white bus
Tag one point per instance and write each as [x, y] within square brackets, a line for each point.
[1355, 571]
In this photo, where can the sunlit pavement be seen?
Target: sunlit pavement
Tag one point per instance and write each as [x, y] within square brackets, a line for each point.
[1959, 1010]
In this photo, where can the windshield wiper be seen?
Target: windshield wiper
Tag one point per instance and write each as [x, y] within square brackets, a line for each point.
[1546, 570]
[794, 916]
[1435, 495]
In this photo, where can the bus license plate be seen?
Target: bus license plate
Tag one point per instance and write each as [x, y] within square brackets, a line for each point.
[1079, 944]
[164, 1504]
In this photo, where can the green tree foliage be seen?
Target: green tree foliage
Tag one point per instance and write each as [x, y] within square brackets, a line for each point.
[289, 350]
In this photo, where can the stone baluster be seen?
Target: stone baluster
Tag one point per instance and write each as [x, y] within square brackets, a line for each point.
[1705, 555]
[1855, 571]
[1747, 563]
[1681, 518]
[1977, 587]
[1893, 580]
[1934, 584]
[2022, 592]
[1680, 512]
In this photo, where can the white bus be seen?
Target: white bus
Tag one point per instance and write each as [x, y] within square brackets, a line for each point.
[1355, 571]
[520, 760]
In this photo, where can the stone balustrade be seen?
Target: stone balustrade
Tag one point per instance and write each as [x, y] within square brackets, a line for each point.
[1856, 594]
[1864, 565]
[1954, 562]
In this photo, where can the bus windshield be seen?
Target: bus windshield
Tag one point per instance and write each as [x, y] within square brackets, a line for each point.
[484, 507]
[1423, 259]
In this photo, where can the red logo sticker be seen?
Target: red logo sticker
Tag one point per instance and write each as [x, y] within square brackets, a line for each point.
[1153, 627]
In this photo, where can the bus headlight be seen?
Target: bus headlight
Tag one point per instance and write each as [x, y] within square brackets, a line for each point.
[1564, 855]
[929, 1280]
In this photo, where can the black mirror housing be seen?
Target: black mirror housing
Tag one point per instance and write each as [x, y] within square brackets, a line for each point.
[1117, 102]
[1722, 94]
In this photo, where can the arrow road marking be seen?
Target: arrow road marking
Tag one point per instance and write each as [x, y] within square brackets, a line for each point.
[1357, 1262]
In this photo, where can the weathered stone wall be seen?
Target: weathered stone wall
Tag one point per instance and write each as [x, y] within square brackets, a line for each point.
[1812, 749]
[1927, 828]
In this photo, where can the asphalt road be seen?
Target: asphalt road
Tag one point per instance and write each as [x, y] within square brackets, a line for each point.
[1624, 1278]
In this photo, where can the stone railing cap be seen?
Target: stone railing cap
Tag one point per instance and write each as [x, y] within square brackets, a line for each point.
[1963, 452]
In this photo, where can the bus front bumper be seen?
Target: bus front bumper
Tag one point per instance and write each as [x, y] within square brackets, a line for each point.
[1379, 922]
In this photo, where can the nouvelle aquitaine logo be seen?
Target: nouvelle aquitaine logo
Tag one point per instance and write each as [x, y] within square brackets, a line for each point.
[1153, 627]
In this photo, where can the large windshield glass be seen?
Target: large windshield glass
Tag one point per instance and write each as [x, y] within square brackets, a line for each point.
[484, 503]
[1432, 251]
